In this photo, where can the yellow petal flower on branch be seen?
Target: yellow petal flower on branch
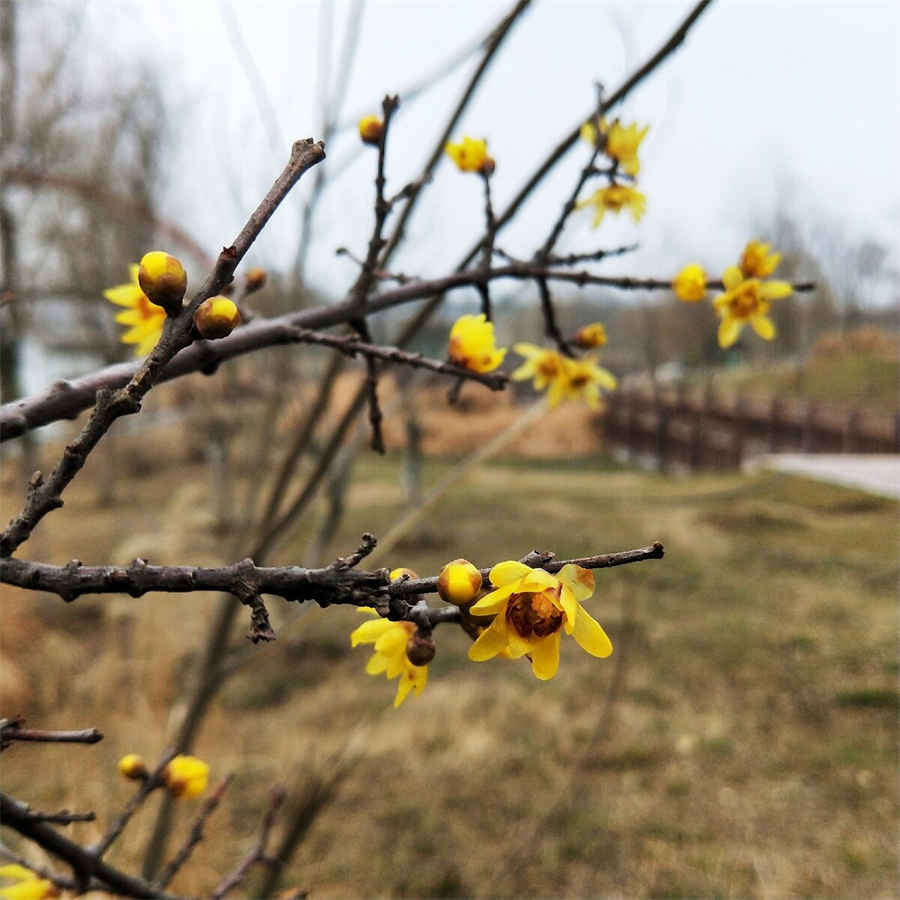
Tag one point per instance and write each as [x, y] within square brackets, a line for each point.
[615, 198]
[371, 128]
[163, 279]
[26, 885]
[399, 573]
[133, 766]
[472, 344]
[186, 776]
[390, 640]
[470, 155]
[622, 143]
[593, 335]
[459, 582]
[747, 300]
[690, 283]
[531, 610]
[757, 261]
[564, 378]
[144, 318]
[590, 132]
[216, 317]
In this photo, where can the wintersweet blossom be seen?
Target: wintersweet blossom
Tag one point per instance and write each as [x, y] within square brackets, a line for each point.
[564, 378]
[690, 283]
[593, 335]
[163, 279]
[144, 318]
[747, 300]
[459, 582]
[757, 261]
[531, 609]
[390, 640]
[133, 766]
[622, 143]
[186, 776]
[472, 344]
[25, 884]
[615, 198]
[470, 155]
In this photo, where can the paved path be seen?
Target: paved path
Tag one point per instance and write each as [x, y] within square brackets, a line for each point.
[875, 473]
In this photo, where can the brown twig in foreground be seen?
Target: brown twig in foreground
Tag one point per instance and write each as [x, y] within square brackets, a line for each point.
[12, 730]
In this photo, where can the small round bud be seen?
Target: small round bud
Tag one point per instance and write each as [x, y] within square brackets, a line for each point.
[420, 648]
[163, 279]
[399, 573]
[593, 335]
[216, 317]
[133, 766]
[371, 129]
[186, 776]
[459, 582]
[256, 278]
[488, 166]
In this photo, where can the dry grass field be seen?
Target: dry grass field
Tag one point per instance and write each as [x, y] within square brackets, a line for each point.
[740, 742]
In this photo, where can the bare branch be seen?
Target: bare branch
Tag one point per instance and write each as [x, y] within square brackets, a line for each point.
[12, 730]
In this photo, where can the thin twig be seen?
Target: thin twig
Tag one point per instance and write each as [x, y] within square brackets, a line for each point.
[195, 836]
[12, 730]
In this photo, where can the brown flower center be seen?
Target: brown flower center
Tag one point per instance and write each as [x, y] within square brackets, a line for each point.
[745, 301]
[534, 614]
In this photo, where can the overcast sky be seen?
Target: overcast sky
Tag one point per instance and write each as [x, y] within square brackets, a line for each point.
[784, 103]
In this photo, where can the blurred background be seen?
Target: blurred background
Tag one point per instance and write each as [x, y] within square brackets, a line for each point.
[742, 740]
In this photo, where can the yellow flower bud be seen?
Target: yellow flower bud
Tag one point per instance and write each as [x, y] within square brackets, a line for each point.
[420, 648]
[256, 279]
[163, 279]
[399, 573]
[133, 766]
[690, 283]
[186, 776]
[593, 335]
[216, 317]
[371, 128]
[459, 582]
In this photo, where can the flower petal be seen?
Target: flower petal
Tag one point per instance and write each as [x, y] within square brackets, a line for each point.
[507, 572]
[775, 290]
[590, 635]
[490, 642]
[763, 326]
[580, 579]
[369, 632]
[732, 277]
[493, 603]
[729, 330]
[545, 657]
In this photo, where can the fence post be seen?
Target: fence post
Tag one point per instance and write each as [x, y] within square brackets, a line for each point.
[809, 428]
[851, 432]
[739, 429]
[662, 428]
[775, 424]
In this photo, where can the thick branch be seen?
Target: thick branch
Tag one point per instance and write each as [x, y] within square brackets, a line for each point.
[12, 730]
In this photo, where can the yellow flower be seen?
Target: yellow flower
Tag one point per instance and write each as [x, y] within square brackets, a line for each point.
[615, 198]
[26, 885]
[565, 378]
[622, 145]
[593, 335]
[133, 766]
[690, 283]
[531, 608]
[370, 129]
[472, 344]
[757, 261]
[186, 776]
[145, 318]
[459, 582]
[470, 155]
[589, 131]
[747, 300]
[400, 572]
[585, 378]
[390, 640]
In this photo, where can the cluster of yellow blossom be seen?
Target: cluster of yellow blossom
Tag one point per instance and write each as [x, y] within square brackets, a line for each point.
[25, 884]
[470, 155]
[156, 289]
[371, 128]
[746, 298]
[530, 610]
[621, 144]
[184, 776]
[563, 377]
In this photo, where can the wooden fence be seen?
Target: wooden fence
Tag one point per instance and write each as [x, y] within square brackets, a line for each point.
[701, 428]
